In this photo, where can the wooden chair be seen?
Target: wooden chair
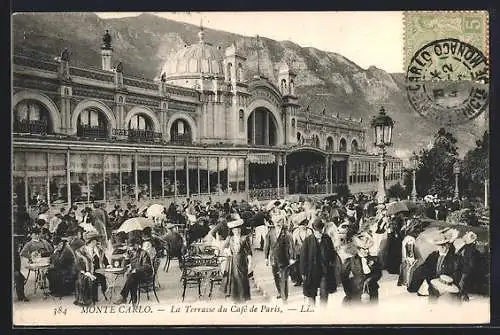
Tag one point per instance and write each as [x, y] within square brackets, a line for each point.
[217, 276]
[149, 284]
[189, 277]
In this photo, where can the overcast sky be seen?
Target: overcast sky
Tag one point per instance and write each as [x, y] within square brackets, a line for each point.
[366, 38]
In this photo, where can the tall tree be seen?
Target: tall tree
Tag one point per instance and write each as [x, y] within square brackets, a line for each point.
[435, 169]
[475, 168]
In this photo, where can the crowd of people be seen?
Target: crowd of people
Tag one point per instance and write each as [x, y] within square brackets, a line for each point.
[319, 245]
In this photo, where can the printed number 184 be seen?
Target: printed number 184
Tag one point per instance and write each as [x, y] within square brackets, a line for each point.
[59, 310]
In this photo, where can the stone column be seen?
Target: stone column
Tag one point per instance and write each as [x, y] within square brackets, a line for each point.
[278, 175]
[186, 167]
[136, 180]
[284, 176]
[381, 183]
[247, 179]
[175, 178]
[68, 177]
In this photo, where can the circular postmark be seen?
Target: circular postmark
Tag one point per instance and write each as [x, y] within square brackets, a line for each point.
[447, 81]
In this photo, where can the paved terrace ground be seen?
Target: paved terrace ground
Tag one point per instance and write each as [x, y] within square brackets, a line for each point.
[396, 306]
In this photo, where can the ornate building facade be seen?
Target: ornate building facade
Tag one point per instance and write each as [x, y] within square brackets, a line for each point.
[203, 129]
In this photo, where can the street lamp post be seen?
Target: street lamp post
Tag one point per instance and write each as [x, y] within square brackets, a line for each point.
[414, 163]
[382, 126]
[456, 171]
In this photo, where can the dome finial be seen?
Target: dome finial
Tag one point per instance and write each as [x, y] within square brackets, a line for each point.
[201, 34]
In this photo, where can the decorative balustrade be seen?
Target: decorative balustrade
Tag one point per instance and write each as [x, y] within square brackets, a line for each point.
[317, 189]
[183, 139]
[138, 135]
[92, 131]
[31, 127]
[267, 193]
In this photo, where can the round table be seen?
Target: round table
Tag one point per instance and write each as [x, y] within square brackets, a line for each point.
[112, 275]
[207, 273]
[40, 270]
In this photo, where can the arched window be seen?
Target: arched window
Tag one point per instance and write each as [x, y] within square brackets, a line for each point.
[180, 132]
[293, 124]
[298, 137]
[283, 86]
[229, 70]
[262, 127]
[292, 87]
[329, 143]
[32, 117]
[354, 146]
[316, 141]
[343, 145]
[240, 72]
[241, 120]
[140, 122]
[92, 123]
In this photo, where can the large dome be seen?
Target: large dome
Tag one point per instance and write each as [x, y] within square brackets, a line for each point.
[195, 60]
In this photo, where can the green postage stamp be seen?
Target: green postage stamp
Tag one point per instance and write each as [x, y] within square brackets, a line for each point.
[446, 64]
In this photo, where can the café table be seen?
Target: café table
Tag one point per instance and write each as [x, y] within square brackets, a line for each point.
[207, 273]
[112, 276]
[40, 271]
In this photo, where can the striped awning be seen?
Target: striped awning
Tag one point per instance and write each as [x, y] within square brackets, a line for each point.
[261, 158]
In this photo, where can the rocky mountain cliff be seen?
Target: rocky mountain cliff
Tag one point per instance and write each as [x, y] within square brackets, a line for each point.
[325, 80]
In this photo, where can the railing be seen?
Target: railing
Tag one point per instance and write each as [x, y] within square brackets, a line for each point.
[267, 193]
[31, 127]
[181, 139]
[92, 131]
[138, 135]
[316, 189]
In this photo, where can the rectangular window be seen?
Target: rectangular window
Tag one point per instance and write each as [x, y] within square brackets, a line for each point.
[18, 185]
[127, 166]
[203, 175]
[168, 175]
[78, 176]
[112, 173]
[58, 184]
[156, 176]
[143, 176]
[36, 171]
[96, 176]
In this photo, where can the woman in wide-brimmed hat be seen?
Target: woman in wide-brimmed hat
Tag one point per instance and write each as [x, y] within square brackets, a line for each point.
[236, 282]
[443, 261]
[86, 280]
[361, 272]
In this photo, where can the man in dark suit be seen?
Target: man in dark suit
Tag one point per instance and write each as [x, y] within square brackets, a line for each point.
[361, 272]
[279, 252]
[317, 264]
[468, 256]
[140, 268]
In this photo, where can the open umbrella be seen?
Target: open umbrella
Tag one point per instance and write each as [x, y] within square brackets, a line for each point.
[155, 211]
[424, 247]
[138, 223]
[396, 207]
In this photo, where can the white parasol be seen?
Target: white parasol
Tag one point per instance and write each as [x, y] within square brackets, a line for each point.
[138, 223]
[155, 211]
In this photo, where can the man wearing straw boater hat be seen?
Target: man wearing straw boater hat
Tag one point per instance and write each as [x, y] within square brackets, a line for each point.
[299, 234]
[361, 272]
[443, 261]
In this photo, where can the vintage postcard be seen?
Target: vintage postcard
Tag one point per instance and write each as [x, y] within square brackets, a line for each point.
[250, 168]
